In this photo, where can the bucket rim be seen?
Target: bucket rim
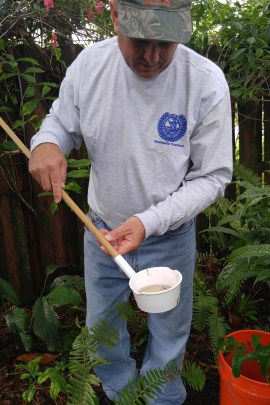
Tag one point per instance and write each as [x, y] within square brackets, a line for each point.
[168, 290]
[222, 363]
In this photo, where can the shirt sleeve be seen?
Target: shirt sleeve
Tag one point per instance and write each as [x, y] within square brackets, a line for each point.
[209, 172]
[62, 125]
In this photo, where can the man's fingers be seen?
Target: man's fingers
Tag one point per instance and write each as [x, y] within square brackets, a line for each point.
[56, 188]
[48, 166]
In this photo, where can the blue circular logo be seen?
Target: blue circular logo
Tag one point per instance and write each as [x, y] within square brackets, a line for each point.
[172, 127]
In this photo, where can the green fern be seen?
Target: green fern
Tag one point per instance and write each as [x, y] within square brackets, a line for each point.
[193, 375]
[243, 263]
[220, 209]
[217, 331]
[233, 274]
[80, 388]
[249, 252]
[228, 231]
[83, 359]
[139, 391]
[146, 386]
[242, 172]
[204, 306]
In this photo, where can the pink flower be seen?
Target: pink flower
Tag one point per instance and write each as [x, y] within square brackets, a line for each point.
[89, 14]
[98, 7]
[54, 40]
[48, 4]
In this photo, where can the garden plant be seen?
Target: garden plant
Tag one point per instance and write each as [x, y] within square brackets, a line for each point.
[38, 40]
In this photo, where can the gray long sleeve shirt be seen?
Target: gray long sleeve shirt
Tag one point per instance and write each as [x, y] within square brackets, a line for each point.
[160, 148]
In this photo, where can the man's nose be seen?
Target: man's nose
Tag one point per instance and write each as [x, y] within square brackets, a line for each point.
[151, 53]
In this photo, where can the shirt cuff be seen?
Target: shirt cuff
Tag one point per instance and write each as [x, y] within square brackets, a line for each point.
[151, 222]
[44, 138]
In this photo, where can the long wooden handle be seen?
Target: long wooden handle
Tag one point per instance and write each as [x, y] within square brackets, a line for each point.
[84, 218]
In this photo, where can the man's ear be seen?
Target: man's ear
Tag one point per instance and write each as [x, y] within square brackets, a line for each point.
[114, 15]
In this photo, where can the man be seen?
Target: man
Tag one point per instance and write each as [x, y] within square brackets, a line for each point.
[156, 121]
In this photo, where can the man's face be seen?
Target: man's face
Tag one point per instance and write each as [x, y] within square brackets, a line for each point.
[146, 58]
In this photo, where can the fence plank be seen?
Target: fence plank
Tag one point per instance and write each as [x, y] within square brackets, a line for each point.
[250, 135]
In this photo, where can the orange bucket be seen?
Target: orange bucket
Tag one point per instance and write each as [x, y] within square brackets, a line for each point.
[250, 388]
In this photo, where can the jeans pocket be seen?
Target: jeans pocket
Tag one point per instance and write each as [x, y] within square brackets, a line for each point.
[95, 219]
[182, 229]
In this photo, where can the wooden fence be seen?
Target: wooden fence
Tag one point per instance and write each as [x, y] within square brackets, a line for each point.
[31, 238]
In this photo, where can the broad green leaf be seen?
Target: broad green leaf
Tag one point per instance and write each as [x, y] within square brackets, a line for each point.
[46, 324]
[251, 40]
[5, 109]
[30, 60]
[249, 251]
[76, 282]
[50, 84]
[72, 186]
[34, 70]
[29, 78]
[221, 229]
[78, 163]
[259, 52]
[75, 174]
[26, 340]
[29, 394]
[8, 292]
[238, 53]
[30, 91]
[50, 269]
[6, 76]
[64, 295]
[17, 320]
[45, 90]
[29, 106]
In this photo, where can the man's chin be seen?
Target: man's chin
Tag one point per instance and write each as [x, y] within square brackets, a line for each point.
[147, 72]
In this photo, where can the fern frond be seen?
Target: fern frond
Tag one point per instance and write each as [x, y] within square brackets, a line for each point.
[248, 252]
[86, 343]
[233, 219]
[242, 172]
[224, 230]
[83, 359]
[125, 311]
[262, 275]
[234, 273]
[217, 331]
[138, 391]
[80, 388]
[203, 307]
[253, 196]
[220, 209]
[193, 375]
[233, 291]
[104, 333]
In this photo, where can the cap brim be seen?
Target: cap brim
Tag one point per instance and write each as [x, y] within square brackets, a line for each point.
[161, 25]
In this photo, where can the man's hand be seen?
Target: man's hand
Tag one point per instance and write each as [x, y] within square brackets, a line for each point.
[127, 237]
[48, 166]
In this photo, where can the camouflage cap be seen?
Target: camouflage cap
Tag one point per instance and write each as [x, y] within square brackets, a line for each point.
[162, 20]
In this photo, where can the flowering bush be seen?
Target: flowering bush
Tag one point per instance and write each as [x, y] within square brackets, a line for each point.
[71, 21]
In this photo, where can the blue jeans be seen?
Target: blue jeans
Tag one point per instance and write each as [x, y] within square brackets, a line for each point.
[106, 285]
